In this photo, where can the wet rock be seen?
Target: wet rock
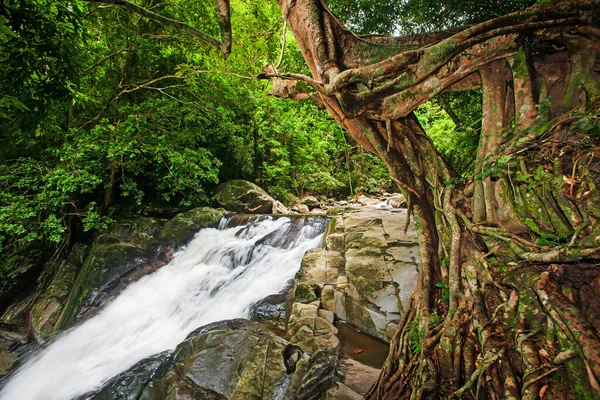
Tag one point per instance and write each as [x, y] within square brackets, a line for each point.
[11, 337]
[127, 251]
[16, 313]
[44, 315]
[244, 197]
[48, 306]
[270, 310]
[7, 360]
[61, 283]
[182, 227]
[118, 256]
[234, 359]
[128, 385]
[101, 276]
[78, 253]
[137, 231]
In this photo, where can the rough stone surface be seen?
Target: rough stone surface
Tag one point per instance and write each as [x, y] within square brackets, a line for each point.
[342, 392]
[311, 202]
[44, 315]
[7, 360]
[234, 359]
[356, 376]
[279, 208]
[328, 298]
[367, 270]
[182, 227]
[244, 197]
[300, 208]
[270, 310]
[327, 315]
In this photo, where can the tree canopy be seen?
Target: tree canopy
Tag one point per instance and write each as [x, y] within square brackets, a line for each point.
[105, 113]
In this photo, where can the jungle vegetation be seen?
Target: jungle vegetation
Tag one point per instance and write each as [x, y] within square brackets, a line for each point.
[485, 114]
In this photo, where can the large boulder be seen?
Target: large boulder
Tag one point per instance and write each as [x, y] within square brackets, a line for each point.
[311, 202]
[270, 310]
[300, 208]
[366, 272]
[182, 227]
[234, 359]
[244, 197]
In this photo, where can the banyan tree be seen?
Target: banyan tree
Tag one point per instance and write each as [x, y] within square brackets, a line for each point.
[508, 300]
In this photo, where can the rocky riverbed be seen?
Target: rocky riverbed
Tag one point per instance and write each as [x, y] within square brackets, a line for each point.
[323, 335]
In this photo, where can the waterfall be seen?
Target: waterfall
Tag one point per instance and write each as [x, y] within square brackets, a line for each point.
[217, 276]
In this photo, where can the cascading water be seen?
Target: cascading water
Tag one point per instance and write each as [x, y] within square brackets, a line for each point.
[218, 276]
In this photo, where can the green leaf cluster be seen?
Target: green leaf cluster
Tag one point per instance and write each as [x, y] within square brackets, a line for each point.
[103, 112]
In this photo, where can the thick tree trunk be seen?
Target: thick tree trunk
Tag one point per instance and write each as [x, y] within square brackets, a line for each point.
[507, 302]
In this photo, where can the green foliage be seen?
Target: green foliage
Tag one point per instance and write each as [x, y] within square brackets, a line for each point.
[415, 335]
[102, 111]
[416, 16]
[370, 175]
[456, 141]
[443, 286]
[369, 16]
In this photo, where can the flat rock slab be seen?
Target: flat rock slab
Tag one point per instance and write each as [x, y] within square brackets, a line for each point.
[380, 270]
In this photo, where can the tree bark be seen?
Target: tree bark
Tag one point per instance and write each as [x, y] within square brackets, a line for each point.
[505, 305]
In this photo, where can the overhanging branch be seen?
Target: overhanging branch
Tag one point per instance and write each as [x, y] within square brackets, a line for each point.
[223, 17]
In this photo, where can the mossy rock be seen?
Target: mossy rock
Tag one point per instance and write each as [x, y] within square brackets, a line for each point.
[233, 359]
[360, 317]
[12, 338]
[16, 313]
[306, 292]
[105, 265]
[137, 231]
[338, 210]
[44, 315]
[244, 197]
[129, 384]
[7, 360]
[61, 284]
[182, 228]
[18, 273]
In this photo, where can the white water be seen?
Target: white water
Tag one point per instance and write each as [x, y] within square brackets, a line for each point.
[217, 277]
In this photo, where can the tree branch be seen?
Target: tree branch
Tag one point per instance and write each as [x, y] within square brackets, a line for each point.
[223, 16]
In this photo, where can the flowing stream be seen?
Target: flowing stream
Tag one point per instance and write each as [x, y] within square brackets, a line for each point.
[218, 276]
